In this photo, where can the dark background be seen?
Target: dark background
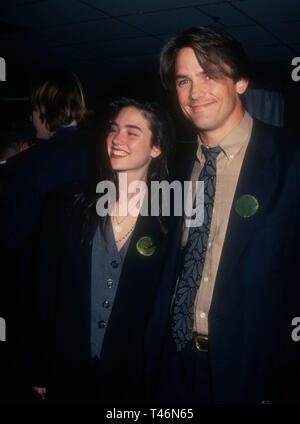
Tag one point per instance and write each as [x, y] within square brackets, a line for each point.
[113, 45]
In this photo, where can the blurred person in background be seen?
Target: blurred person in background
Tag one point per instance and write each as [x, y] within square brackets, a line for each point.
[13, 140]
[58, 107]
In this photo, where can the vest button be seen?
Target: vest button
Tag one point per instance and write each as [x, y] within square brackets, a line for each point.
[114, 264]
[101, 324]
[106, 304]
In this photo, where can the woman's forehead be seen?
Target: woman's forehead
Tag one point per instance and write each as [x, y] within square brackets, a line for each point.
[130, 115]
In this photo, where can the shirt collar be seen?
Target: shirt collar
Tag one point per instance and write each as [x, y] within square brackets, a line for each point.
[233, 142]
[61, 128]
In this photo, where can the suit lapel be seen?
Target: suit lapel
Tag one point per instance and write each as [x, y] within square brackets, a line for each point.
[258, 177]
[185, 173]
[80, 245]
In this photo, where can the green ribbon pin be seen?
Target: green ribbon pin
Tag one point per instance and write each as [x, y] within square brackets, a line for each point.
[145, 246]
[246, 206]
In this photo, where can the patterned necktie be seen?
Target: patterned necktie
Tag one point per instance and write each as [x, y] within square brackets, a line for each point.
[194, 256]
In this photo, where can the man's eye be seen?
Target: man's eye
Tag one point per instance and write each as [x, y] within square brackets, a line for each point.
[183, 82]
[133, 134]
[112, 129]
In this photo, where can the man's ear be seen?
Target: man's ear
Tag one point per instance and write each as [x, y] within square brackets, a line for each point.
[241, 85]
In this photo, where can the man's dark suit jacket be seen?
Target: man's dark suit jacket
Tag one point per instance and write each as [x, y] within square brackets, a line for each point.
[252, 356]
[29, 176]
[63, 314]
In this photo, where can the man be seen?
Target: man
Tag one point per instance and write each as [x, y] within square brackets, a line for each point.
[232, 283]
[58, 106]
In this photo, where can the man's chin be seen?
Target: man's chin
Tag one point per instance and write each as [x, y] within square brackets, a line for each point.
[202, 124]
[199, 120]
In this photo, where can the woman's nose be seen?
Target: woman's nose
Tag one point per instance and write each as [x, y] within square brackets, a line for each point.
[119, 138]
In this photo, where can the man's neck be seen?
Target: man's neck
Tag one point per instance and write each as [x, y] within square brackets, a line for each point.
[72, 124]
[213, 138]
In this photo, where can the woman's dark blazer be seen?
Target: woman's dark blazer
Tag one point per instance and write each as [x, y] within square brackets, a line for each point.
[61, 345]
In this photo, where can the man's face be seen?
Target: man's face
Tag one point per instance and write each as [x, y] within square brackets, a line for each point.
[41, 129]
[212, 103]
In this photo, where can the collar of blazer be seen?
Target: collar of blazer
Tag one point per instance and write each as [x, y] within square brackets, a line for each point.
[258, 177]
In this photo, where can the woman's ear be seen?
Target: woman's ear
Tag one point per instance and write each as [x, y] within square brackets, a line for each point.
[156, 151]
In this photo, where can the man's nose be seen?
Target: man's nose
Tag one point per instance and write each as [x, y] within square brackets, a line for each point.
[197, 89]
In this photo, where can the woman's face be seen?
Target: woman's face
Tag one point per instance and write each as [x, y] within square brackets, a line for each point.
[129, 142]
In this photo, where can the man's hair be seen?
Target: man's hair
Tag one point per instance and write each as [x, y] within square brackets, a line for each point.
[60, 99]
[213, 48]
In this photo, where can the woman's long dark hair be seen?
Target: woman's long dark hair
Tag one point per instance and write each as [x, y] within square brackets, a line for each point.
[100, 169]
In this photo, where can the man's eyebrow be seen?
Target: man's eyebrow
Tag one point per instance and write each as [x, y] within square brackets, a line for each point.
[179, 76]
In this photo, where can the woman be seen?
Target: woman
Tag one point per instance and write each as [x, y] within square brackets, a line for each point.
[97, 276]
